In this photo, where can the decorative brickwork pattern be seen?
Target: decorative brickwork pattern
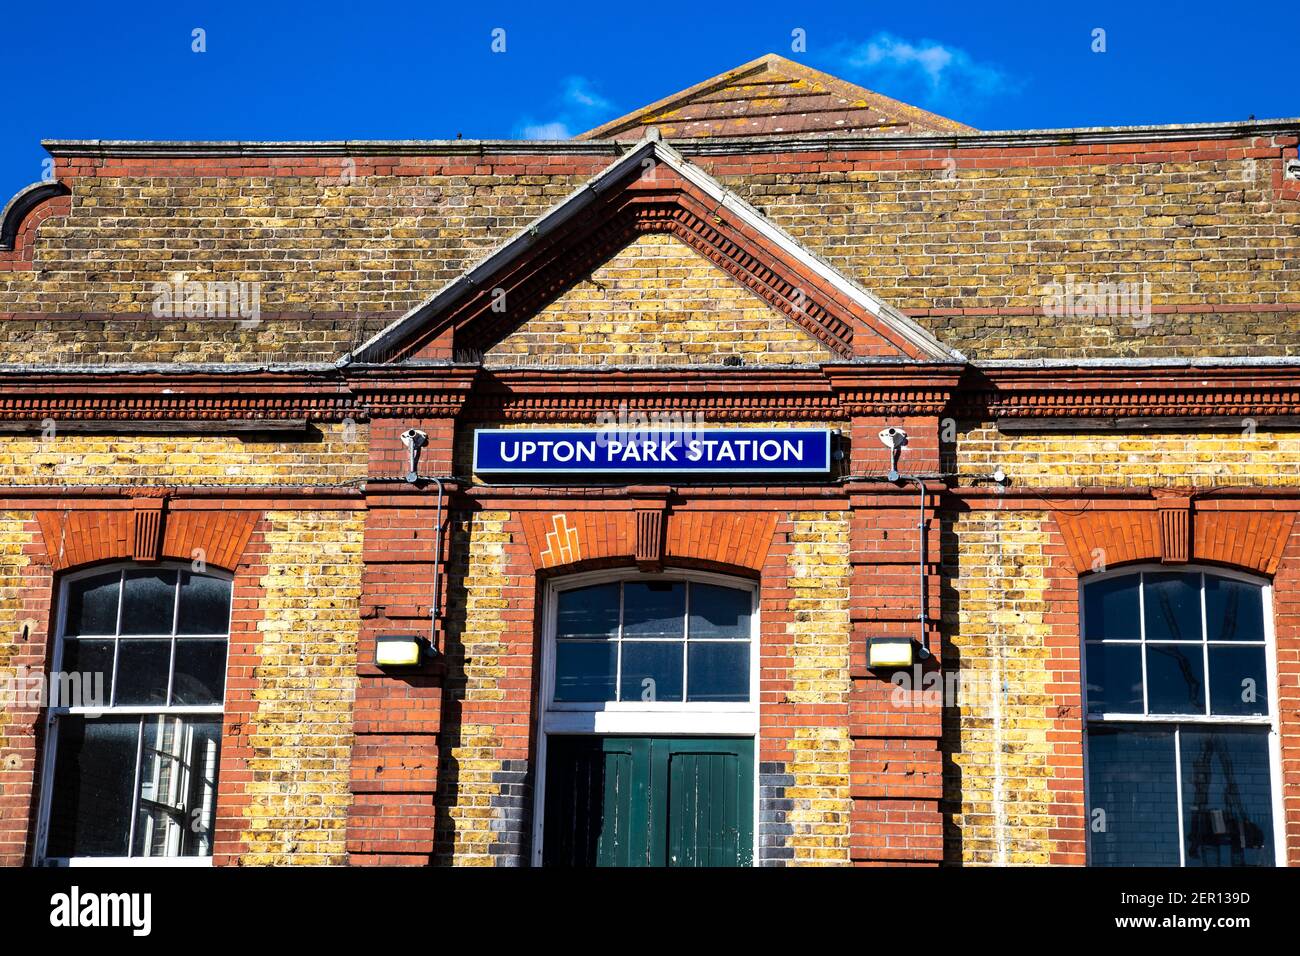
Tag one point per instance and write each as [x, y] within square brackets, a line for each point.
[657, 302]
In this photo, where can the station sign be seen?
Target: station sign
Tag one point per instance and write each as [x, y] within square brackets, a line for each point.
[597, 452]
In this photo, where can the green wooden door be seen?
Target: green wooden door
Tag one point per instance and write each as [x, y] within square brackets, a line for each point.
[648, 801]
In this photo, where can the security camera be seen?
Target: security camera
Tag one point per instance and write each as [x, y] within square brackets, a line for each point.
[893, 437]
[414, 440]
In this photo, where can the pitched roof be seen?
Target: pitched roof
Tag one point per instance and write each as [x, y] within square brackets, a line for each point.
[771, 96]
[902, 336]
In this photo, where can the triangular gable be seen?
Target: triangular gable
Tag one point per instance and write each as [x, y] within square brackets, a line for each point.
[651, 189]
[773, 96]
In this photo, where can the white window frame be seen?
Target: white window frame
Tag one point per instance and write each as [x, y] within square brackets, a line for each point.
[53, 713]
[738, 719]
[1270, 720]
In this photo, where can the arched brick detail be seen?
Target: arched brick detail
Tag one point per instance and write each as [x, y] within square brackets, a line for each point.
[738, 540]
[21, 218]
[1250, 540]
[76, 537]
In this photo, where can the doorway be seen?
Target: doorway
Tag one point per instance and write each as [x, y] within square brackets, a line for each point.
[649, 725]
[649, 801]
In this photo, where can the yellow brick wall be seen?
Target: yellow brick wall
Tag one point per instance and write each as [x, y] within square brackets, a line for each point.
[302, 731]
[1246, 457]
[818, 567]
[475, 643]
[74, 459]
[657, 302]
[14, 536]
[998, 783]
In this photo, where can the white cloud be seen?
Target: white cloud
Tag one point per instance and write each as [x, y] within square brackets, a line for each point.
[546, 131]
[939, 74]
[577, 106]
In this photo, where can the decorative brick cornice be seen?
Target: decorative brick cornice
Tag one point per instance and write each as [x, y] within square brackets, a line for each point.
[1135, 391]
[719, 394]
[395, 390]
[886, 389]
[37, 395]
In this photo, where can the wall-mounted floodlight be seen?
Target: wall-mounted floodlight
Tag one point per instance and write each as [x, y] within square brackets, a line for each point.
[401, 650]
[887, 653]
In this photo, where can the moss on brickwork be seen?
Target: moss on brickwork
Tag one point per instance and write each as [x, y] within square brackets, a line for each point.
[472, 760]
[339, 455]
[819, 676]
[301, 736]
[998, 778]
[657, 302]
[1253, 457]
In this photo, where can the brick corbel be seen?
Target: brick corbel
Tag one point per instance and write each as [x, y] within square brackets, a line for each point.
[651, 520]
[148, 515]
[1175, 508]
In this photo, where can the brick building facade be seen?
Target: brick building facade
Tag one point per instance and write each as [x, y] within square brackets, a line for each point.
[211, 352]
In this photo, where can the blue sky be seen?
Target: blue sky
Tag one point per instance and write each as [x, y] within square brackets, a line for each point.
[330, 69]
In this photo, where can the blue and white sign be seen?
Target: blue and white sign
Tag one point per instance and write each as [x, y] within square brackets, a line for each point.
[613, 451]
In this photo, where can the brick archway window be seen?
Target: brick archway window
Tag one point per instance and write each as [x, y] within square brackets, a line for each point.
[650, 642]
[1182, 739]
[135, 713]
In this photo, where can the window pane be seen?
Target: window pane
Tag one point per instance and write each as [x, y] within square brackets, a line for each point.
[653, 608]
[720, 612]
[177, 787]
[587, 612]
[1175, 679]
[1173, 606]
[142, 672]
[205, 605]
[1114, 678]
[1110, 609]
[1234, 610]
[148, 602]
[718, 672]
[94, 771]
[1238, 680]
[1132, 797]
[584, 671]
[1227, 797]
[92, 604]
[91, 662]
[652, 671]
[200, 672]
